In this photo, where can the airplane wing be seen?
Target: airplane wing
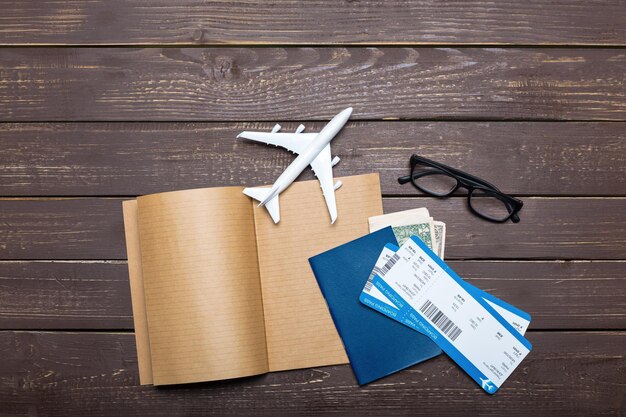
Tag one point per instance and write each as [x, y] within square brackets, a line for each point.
[294, 142]
[323, 168]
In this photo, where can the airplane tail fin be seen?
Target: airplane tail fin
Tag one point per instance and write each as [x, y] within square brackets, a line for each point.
[260, 194]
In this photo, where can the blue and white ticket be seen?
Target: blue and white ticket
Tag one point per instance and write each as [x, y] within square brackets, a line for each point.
[423, 293]
[372, 297]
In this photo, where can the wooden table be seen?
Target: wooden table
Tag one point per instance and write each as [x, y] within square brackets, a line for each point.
[105, 100]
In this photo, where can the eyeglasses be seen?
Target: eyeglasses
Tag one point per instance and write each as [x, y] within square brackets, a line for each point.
[483, 198]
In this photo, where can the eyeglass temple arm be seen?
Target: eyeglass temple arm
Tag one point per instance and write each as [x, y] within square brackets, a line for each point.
[407, 178]
[445, 167]
[469, 177]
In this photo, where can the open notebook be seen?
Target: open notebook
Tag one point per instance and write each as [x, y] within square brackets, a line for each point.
[219, 291]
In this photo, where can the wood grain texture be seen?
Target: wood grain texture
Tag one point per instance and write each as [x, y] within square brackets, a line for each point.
[312, 22]
[62, 229]
[523, 158]
[254, 84]
[95, 295]
[545, 123]
[551, 228]
[65, 295]
[74, 374]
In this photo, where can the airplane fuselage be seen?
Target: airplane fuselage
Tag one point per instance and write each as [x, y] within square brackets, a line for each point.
[305, 158]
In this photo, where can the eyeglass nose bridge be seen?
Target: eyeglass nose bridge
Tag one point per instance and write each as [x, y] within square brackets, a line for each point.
[404, 179]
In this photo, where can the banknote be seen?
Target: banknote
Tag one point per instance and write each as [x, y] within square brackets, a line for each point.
[413, 222]
[440, 238]
[421, 230]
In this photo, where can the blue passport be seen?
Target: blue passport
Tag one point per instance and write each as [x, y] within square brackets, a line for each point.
[376, 346]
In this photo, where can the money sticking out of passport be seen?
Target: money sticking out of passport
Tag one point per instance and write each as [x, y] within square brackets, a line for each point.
[414, 222]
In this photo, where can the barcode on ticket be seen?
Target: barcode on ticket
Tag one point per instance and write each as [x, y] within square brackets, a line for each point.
[369, 283]
[380, 271]
[391, 262]
[440, 320]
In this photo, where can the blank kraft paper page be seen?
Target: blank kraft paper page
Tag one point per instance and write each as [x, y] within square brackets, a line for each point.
[135, 275]
[299, 329]
[202, 288]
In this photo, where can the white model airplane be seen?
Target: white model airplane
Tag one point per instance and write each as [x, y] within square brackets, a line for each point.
[314, 150]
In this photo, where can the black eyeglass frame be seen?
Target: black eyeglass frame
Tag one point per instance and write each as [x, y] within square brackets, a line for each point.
[463, 180]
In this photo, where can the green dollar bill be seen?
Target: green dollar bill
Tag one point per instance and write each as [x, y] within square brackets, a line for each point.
[440, 238]
[421, 230]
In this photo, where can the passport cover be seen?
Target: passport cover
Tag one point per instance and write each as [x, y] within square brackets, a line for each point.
[376, 345]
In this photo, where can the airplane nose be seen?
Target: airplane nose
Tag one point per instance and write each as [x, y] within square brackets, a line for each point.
[344, 116]
[336, 123]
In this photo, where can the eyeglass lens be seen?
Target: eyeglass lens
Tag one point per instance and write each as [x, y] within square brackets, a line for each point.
[434, 182]
[489, 205]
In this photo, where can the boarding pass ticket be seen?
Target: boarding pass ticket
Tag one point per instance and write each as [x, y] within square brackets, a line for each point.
[375, 299]
[422, 292]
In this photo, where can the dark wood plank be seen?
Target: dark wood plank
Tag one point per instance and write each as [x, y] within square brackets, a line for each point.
[551, 228]
[95, 295]
[74, 374]
[253, 84]
[291, 22]
[62, 229]
[558, 294]
[65, 295]
[530, 158]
